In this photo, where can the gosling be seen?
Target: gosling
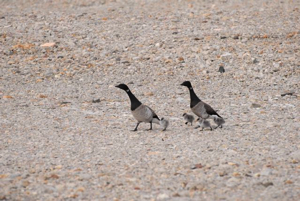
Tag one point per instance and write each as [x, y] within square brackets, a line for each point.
[203, 123]
[219, 121]
[188, 118]
[164, 124]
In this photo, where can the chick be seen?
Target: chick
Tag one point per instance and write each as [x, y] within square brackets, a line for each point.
[164, 123]
[219, 121]
[188, 118]
[204, 124]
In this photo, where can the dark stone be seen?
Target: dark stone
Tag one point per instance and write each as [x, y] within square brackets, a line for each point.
[64, 103]
[221, 69]
[96, 101]
[236, 37]
[255, 105]
[290, 93]
[266, 184]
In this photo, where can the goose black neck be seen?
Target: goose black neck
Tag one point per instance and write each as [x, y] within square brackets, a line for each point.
[194, 98]
[135, 103]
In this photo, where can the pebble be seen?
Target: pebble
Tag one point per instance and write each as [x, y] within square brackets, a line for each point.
[48, 45]
[255, 105]
[162, 196]
[226, 56]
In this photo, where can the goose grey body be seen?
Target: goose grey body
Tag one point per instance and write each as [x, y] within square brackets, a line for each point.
[203, 123]
[141, 112]
[164, 123]
[219, 121]
[188, 118]
[198, 107]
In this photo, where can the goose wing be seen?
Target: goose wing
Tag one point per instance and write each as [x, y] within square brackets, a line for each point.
[154, 114]
[210, 110]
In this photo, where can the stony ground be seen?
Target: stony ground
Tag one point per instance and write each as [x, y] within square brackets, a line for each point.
[66, 130]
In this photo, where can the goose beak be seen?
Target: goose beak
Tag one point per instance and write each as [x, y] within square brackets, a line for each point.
[118, 86]
[182, 84]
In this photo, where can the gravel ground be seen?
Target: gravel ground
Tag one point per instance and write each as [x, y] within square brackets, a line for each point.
[66, 130]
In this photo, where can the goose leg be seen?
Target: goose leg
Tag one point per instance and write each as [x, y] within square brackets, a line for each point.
[150, 126]
[211, 128]
[137, 125]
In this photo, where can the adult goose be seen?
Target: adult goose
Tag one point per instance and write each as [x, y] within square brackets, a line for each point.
[200, 108]
[141, 112]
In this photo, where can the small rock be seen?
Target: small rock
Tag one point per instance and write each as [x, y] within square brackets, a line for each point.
[221, 69]
[226, 56]
[148, 94]
[255, 105]
[25, 183]
[222, 173]
[7, 97]
[48, 45]
[96, 100]
[197, 166]
[236, 37]
[290, 93]
[180, 59]
[254, 60]
[158, 45]
[162, 196]
[205, 71]
[266, 184]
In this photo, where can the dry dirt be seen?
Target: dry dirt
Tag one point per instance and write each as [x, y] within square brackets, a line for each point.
[66, 130]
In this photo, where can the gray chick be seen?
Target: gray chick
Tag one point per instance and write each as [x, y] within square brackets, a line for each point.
[164, 123]
[203, 123]
[188, 118]
[219, 121]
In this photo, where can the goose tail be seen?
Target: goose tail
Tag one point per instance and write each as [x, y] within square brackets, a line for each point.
[156, 121]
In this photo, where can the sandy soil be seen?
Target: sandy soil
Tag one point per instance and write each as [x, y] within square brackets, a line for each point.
[66, 130]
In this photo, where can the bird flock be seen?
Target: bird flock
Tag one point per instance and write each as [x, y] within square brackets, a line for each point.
[143, 113]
